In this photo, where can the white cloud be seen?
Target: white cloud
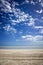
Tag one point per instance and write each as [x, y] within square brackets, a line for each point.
[42, 4]
[20, 16]
[5, 6]
[20, 32]
[15, 3]
[13, 30]
[38, 38]
[39, 11]
[39, 0]
[23, 17]
[32, 2]
[27, 1]
[18, 13]
[13, 23]
[8, 28]
[38, 27]
[32, 38]
[31, 21]
[41, 31]
[41, 17]
[27, 37]
[11, 15]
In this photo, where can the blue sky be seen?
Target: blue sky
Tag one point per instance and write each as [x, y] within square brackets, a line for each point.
[21, 22]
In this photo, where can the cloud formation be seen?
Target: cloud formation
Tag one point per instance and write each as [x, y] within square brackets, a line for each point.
[8, 28]
[32, 38]
[16, 18]
[39, 11]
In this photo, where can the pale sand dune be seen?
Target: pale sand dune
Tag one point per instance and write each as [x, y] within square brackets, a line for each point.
[21, 56]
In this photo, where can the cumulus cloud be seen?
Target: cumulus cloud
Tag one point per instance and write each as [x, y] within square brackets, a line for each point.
[39, 11]
[32, 38]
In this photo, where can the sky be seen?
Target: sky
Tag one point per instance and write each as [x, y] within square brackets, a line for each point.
[21, 22]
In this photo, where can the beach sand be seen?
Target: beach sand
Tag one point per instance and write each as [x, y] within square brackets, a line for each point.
[21, 56]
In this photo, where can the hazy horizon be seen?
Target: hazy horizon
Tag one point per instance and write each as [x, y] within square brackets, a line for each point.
[21, 47]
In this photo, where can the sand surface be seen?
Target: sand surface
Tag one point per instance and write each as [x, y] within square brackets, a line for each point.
[21, 56]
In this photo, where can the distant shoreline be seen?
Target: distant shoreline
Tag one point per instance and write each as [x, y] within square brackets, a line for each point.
[21, 47]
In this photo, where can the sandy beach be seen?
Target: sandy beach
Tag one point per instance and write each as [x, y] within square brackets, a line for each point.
[21, 56]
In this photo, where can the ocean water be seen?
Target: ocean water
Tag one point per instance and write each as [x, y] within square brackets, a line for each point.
[21, 47]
